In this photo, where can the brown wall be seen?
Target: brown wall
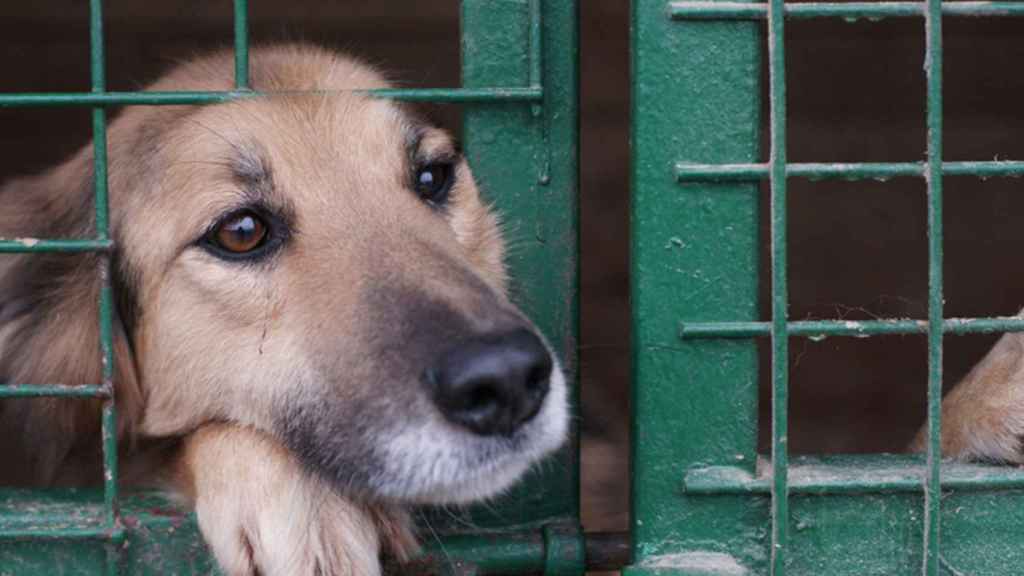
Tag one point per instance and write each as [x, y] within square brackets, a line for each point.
[859, 250]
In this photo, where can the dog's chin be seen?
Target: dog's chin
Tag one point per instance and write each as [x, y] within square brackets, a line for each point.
[443, 464]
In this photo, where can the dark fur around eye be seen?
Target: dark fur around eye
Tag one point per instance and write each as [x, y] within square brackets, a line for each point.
[247, 234]
[433, 181]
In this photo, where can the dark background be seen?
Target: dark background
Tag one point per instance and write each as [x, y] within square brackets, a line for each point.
[857, 250]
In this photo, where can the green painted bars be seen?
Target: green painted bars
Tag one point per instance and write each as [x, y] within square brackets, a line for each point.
[520, 109]
[702, 502]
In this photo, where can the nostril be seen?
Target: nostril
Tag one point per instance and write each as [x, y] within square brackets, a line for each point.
[537, 379]
[483, 396]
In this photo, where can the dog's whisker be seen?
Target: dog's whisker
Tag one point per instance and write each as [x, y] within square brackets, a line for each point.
[440, 542]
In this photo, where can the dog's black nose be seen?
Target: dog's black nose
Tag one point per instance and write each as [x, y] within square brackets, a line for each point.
[492, 384]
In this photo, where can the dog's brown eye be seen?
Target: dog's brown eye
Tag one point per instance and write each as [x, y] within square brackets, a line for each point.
[241, 233]
[246, 235]
[433, 181]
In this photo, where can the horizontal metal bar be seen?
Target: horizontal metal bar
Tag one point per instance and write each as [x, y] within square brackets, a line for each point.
[53, 390]
[462, 95]
[510, 553]
[607, 550]
[982, 9]
[698, 330]
[515, 553]
[900, 475]
[717, 11]
[686, 172]
[812, 328]
[118, 98]
[50, 515]
[103, 533]
[982, 325]
[741, 11]
[993, 168]
[18, 245]
[857, 328]
[862, 171]
[846, 10]
[855, 10]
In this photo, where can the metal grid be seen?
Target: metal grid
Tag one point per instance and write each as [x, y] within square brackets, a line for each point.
[556, 546]
[111, 528]
[849, 476]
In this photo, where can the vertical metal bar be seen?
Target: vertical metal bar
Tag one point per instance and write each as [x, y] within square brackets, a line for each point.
[109, 424]
[242, 44]
[681, 71]
[932, 497]
[549, 213]
[536, 44]
[97, 62]
[780, 297]
[99, 135]
[536, 80]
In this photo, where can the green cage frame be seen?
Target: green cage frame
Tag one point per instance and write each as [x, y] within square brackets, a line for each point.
[519, 67]
[696, 90]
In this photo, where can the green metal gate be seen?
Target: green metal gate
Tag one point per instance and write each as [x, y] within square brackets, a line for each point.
[519, 96]
[703, 504]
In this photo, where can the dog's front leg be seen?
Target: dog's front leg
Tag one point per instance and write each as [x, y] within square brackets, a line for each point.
[262, 514]
[983, 417]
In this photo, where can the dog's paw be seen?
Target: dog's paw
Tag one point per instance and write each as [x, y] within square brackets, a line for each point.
[262, 514]
[288, 528]
[983, 416]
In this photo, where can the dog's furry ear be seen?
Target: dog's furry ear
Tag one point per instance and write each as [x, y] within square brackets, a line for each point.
[49, 327]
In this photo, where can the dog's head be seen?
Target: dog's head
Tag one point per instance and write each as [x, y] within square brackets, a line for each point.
[318, 263]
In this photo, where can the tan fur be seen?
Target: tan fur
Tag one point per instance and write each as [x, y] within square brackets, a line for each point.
[983, 416]
[257, 512]
[232, 358]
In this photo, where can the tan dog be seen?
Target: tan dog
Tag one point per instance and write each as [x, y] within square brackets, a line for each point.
[311, 296]
[983, 416]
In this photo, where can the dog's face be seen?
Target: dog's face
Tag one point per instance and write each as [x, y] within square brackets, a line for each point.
[322, 267]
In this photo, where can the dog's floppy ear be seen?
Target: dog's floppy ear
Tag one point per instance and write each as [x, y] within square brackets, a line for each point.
[49, 327]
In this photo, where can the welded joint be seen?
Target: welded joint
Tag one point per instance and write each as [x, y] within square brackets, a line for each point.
[564, 550]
